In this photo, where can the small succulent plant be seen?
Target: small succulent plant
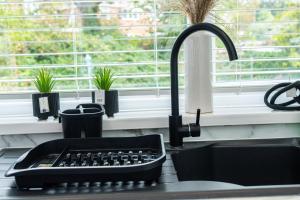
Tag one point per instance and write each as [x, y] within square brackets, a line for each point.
[104, 79]
[44, 81]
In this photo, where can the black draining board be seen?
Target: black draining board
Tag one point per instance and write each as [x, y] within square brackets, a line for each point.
[95, 159]
[99, 157]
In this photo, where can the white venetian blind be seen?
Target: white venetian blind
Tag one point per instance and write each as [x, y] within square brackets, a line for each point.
[267, 36]
[72, 38]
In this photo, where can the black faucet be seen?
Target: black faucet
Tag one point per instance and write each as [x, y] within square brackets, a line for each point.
[177, 131]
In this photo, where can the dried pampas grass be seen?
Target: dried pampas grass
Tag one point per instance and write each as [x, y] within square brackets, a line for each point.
[195, 10]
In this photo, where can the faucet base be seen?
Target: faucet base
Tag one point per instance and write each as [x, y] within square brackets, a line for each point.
[176, 139]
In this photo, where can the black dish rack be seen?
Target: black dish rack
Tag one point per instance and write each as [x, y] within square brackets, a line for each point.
[90, 160]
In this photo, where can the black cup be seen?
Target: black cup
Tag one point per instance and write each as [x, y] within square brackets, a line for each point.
[92, 122]
[71, 123]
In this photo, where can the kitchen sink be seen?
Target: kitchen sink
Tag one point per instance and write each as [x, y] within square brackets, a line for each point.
[247, 163]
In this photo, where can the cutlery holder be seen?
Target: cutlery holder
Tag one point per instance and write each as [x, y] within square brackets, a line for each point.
[86, 118]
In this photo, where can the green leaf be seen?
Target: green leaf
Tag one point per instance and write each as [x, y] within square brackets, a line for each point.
[44, 81]
[103, 79]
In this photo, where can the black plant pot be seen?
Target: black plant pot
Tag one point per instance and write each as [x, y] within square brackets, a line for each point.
[111, 102]
[53, 102]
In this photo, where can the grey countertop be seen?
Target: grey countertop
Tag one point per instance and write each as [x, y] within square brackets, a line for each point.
[167, 188]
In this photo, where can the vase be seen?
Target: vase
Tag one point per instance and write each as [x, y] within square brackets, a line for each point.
[198, 73]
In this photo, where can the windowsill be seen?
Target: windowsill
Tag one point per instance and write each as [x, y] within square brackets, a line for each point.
[230, 109]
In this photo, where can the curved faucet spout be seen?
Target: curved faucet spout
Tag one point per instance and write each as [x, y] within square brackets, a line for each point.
[175, 120]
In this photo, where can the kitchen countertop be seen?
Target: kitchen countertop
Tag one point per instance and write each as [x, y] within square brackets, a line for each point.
[167, 188]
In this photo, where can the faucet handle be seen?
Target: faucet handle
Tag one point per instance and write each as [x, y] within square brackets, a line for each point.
[192, 129]
[195, 129]
[198, 117]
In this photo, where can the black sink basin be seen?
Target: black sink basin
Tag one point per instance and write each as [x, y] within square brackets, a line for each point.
[247, 163]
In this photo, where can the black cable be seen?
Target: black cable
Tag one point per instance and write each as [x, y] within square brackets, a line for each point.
[279, 90]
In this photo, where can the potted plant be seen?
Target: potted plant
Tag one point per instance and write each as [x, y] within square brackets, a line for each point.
[45, 103]
[197, 55]
[103, 80]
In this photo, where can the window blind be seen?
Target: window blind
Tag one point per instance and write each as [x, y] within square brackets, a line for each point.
[267, 36]
[72, 38]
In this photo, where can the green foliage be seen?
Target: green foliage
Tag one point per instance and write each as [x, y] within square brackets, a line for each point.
[45, 44]
[44, 81]
[47, 41]
[104, 79]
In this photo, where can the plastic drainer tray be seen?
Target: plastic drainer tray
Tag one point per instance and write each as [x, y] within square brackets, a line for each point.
[90, 160]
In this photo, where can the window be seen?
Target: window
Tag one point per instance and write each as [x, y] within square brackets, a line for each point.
[267, 36]
[72, 38]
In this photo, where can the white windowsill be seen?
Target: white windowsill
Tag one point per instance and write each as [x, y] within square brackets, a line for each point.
[230, 109]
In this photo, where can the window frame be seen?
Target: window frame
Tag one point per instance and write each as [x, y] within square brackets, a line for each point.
[218, 88]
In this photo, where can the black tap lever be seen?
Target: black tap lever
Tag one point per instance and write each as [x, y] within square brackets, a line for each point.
[192, 129]
[195, 129]
[198, 117]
